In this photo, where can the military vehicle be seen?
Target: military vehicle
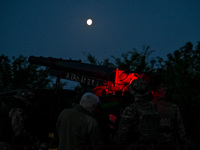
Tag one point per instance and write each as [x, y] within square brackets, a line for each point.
[28, 116]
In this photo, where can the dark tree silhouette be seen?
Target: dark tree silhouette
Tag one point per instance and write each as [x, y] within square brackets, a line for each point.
[132, 61]
[180, 72]
[5, 73]
[19, 74]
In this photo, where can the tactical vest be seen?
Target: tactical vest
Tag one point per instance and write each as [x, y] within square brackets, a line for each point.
[148, 126]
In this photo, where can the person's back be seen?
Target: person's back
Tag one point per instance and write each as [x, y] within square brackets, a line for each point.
[78, 130]
[173, 136]
[139, 121]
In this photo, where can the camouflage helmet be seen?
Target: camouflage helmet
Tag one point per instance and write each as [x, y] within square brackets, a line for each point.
[140, 87]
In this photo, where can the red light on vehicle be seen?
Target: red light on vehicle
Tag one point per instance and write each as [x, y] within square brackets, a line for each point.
[112, 118]
[123, 76]
[120, 76]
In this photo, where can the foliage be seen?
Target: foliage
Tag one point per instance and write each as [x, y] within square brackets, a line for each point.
[180, 72]
[92, 60]
[5, 73]
[19, 74]
[131, 61]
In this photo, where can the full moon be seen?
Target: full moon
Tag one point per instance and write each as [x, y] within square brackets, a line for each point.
[89, 22]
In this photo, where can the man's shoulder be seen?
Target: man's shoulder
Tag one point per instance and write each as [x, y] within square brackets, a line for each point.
[146, 104]
[66, 111]
[135, 105]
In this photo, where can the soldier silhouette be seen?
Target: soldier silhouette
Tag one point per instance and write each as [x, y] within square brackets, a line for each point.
[139, 122]
[173, 135]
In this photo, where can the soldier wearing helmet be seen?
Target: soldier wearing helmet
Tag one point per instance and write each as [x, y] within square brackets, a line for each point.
[129, 135]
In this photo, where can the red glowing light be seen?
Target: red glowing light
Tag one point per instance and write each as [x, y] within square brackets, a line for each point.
[112, 118]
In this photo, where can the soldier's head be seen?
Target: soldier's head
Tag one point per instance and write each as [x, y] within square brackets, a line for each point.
[89, 101]
[162, 93]
[159, 93]
[139, 88]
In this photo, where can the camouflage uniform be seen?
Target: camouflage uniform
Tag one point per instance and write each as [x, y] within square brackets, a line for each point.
[173, 135]
[127, 135]
[171, 126]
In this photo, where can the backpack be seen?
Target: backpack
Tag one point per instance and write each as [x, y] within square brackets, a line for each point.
[148, 127]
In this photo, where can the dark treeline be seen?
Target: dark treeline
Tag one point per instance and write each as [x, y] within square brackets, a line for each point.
[180, 72]
[17, 73]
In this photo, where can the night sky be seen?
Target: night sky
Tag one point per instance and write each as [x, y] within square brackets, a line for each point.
[57, 28]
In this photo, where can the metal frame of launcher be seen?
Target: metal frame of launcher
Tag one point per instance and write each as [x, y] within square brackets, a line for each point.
[101, 78]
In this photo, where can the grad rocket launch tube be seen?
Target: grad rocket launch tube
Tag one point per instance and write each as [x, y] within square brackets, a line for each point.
[90, 70]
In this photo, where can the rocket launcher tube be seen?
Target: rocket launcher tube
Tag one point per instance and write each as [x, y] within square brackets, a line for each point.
[77, 67]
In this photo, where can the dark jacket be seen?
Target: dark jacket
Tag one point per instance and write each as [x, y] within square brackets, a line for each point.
[78, 130]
